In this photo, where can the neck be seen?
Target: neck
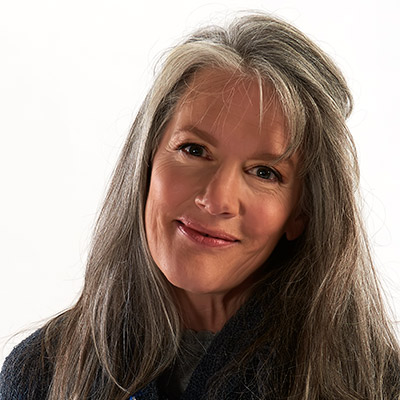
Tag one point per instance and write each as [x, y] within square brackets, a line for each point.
[208, 312]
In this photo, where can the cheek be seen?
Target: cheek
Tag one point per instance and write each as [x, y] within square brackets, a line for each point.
[170, 190]
[267, 216]
[166, 189]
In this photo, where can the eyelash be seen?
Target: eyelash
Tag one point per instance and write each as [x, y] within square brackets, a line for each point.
[269, 170]
[185, 148]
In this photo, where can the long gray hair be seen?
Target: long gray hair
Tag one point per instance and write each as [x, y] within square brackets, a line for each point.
[329, 321]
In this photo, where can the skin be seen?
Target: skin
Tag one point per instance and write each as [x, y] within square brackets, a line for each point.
[218, 203]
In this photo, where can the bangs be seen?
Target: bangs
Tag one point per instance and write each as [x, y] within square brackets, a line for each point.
[277, 91]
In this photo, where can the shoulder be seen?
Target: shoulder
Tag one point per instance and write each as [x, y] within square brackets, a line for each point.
[26, 373]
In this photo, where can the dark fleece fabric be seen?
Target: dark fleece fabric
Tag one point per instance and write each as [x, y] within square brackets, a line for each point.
[26, 374]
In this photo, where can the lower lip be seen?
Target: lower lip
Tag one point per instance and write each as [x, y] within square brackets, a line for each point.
[199, 238]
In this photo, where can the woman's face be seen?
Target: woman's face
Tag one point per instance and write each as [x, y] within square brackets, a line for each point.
[217, 204]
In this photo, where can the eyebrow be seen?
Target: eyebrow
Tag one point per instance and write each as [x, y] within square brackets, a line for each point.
[200, 133]
[269, 157]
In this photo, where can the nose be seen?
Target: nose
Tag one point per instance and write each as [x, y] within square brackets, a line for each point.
[221, 193]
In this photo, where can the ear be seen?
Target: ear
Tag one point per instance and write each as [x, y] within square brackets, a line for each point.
[295, 225]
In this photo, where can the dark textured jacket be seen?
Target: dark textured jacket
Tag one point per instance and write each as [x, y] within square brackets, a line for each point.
[27, 376]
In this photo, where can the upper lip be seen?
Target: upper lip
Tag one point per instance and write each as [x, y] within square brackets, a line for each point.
[217, 233]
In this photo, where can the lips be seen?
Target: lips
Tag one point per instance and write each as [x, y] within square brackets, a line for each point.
[204, 235]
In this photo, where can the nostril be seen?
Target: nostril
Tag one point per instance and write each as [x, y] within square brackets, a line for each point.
[200, 203]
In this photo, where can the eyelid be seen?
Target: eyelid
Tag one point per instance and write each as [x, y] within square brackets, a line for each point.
[182, 146]
[277, 174]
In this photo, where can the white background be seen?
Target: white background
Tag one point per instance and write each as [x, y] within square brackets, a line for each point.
[72, 75]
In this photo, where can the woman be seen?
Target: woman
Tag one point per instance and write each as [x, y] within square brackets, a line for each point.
[229, 260]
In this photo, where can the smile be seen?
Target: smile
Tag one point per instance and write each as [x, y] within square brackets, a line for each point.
[205, 236]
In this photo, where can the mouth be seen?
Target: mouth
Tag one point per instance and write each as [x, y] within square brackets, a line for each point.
[206, 236]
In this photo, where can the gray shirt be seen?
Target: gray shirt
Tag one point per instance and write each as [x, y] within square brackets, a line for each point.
[193, 346]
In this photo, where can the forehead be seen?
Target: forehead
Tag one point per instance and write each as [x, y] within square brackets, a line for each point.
[233, 104]
[232, 88]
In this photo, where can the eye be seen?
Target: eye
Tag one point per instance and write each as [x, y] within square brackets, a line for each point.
[265, 173]
[193, 149]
